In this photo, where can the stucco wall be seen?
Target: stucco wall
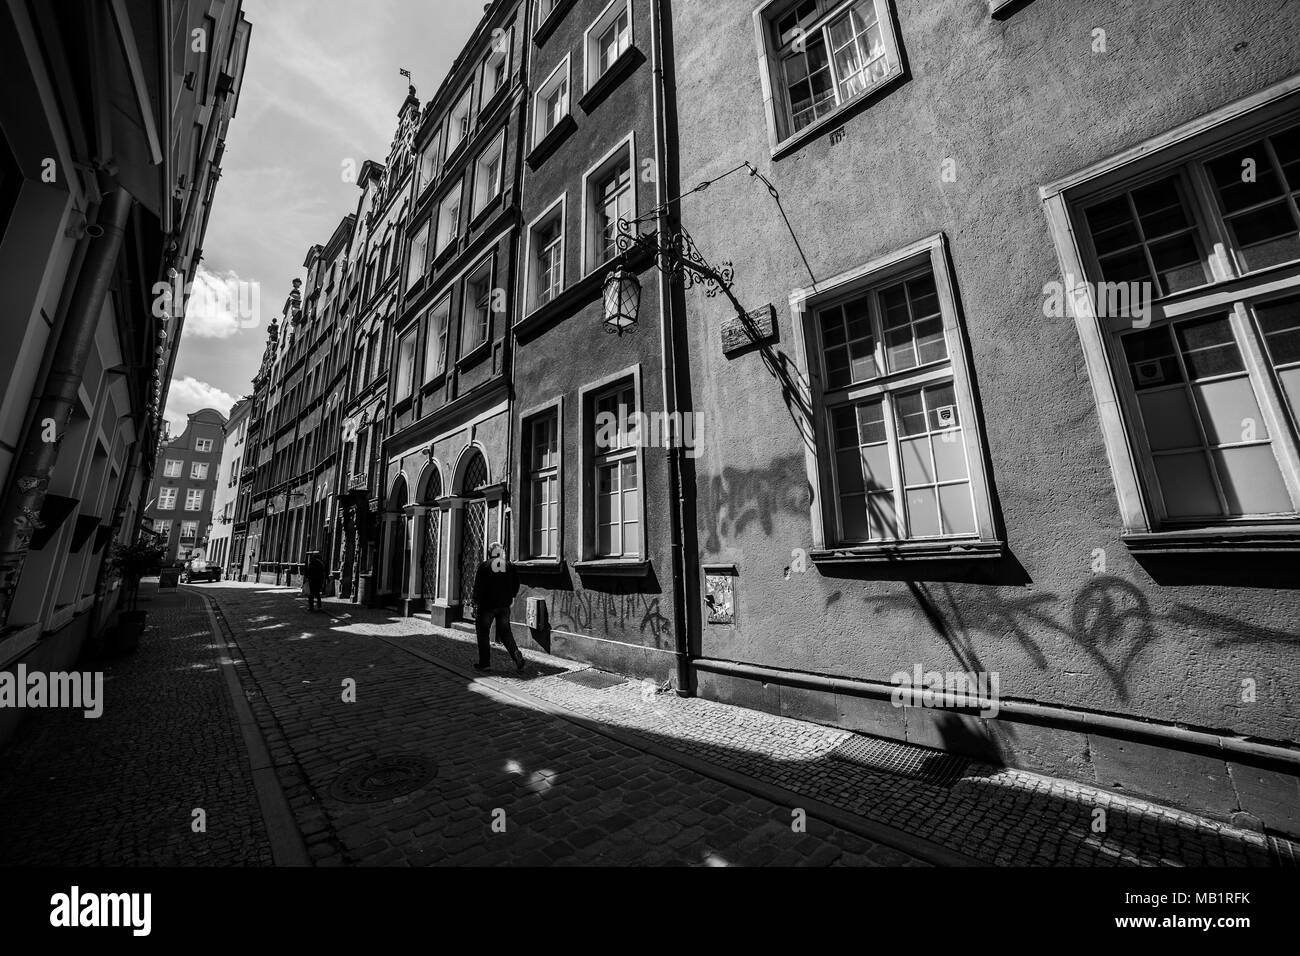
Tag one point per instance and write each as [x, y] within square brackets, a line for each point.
[1016, 104]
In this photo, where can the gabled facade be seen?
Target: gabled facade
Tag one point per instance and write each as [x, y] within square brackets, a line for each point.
[179, 510]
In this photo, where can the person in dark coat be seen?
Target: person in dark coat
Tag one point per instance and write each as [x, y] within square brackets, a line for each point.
[495, 587]
[315, 574]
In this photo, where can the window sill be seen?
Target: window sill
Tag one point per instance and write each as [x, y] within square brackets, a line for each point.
[547, 26]
[475, 355]
[551, 142]
[541, 565]
[945, 550]
[618, 71]
[434, 383]
[1001, 9]
[498, 97]
[442, 258]
[613, 568]
[483, 215]
[833, 121]
[1245, 538]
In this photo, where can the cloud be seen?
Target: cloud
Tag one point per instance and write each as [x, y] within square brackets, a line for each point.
[220, 304]
[187, 395]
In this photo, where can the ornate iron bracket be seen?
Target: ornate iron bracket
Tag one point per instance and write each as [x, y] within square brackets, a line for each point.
[678, 257]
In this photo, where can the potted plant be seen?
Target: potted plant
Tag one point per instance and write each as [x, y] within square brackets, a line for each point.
[131, 562]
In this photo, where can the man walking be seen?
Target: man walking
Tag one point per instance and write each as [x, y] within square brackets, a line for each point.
[495, 587]
[315, 574]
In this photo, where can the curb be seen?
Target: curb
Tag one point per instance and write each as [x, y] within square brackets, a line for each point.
[926, 850]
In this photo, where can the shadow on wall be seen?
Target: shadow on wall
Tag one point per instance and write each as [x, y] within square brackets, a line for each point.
[739, 498]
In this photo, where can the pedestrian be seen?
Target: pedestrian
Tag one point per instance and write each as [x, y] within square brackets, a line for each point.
[315, 574]
[495, 587]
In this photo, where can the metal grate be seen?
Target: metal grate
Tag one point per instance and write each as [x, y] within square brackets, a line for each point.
[384, 778]
[905, 760]
[596, 680]
[1285, 852]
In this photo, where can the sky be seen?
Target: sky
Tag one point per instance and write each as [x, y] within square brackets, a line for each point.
[321, 92]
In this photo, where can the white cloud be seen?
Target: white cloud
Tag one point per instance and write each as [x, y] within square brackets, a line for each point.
[220, 304]
[187, 395]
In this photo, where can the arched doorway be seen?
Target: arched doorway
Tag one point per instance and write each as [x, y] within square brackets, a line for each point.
[473, 531]
[398, 555]
[432, 540]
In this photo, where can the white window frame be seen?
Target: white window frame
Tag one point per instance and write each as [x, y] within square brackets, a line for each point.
[418, 254]
[551, 412]
[1178, 151]
[172, 468]
[626, 146]
[199, 470]
[562, 74]
[588, 460]
[483, 199]
[163, 528]
[203, 445]
[532, 271]
[489, 61]
[442, 305]
[928, 254]
[462, 114]
[430, 160]
[405, 366]
[444, 240]
[781, 132]
[487, 263]
[591, 40]
[167, 498]
[194, 495]
[194, 535]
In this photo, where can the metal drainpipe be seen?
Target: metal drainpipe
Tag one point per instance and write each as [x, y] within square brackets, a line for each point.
[35, 463]
[668, 354]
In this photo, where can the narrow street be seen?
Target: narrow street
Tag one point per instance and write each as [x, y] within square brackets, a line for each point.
[357, 737]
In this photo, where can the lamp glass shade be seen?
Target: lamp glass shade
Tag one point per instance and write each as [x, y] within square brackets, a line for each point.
[622, 301]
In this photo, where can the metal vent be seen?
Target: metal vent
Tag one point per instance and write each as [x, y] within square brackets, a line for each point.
[596, 680]
[905, 760]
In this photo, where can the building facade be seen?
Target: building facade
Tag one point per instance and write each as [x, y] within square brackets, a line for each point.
[113, 128]
[222, 543]
[1028, 406]
[179, 509]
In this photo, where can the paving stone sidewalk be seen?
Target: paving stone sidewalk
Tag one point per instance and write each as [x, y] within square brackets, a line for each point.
[514, 784]
[997, 815]
[121, 789]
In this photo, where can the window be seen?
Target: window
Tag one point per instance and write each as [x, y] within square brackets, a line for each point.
[405, 365]
[448, 219]
[429, 160]
[234, 470]
[199, 470]
[546, 240]
[476, 313]
[416, 261]
[607, 38]
[189, 530]
[823, 54]
[616, 472]
[543, 457]
[194, 499]
[487, 174]
[435, 341]
[551, 104]
[163, 529]
[610, 198]
[1207, 376]
[203, 444]
[459, 122]
[172, 468]
[544, 9]
[166, 499]
[496, 66]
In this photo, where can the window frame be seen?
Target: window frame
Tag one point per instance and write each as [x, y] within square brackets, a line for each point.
[925, 255]
[589, 460]
[167, 498]
[486, 98]
[195, 495]
[565, 66]
[782, 137]
[558, 209]
[487, 263]
[457, 191]
[1181, 151]
[627, 146]
[480, 203]
[195, 467]
[443, 335]
[169, 471]
[552, 410]
[608, 17]
[404, 385]
[420, 241]
[203, 445]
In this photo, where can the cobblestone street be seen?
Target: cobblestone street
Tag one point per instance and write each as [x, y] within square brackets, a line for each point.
[532, 768]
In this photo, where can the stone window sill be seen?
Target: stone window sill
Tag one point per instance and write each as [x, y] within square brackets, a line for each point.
[1220, 540]
[911, 551]
[613, 568]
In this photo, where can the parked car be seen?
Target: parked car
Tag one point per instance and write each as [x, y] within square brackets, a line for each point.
[197, 571]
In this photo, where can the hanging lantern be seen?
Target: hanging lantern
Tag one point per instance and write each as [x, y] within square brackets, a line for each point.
[622, 301]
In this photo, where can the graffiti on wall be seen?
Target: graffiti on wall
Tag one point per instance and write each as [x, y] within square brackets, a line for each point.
[740, 498]
[597, 612]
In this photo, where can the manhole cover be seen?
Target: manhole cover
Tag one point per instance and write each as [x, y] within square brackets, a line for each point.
[597, 680]
[384, 778]
[906, 760]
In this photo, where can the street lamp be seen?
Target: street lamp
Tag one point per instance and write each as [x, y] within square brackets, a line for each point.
[622, 300]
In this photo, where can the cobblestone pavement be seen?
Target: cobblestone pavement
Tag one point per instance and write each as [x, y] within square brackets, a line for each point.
[120, 789]
[996, 815]
[514, 785]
